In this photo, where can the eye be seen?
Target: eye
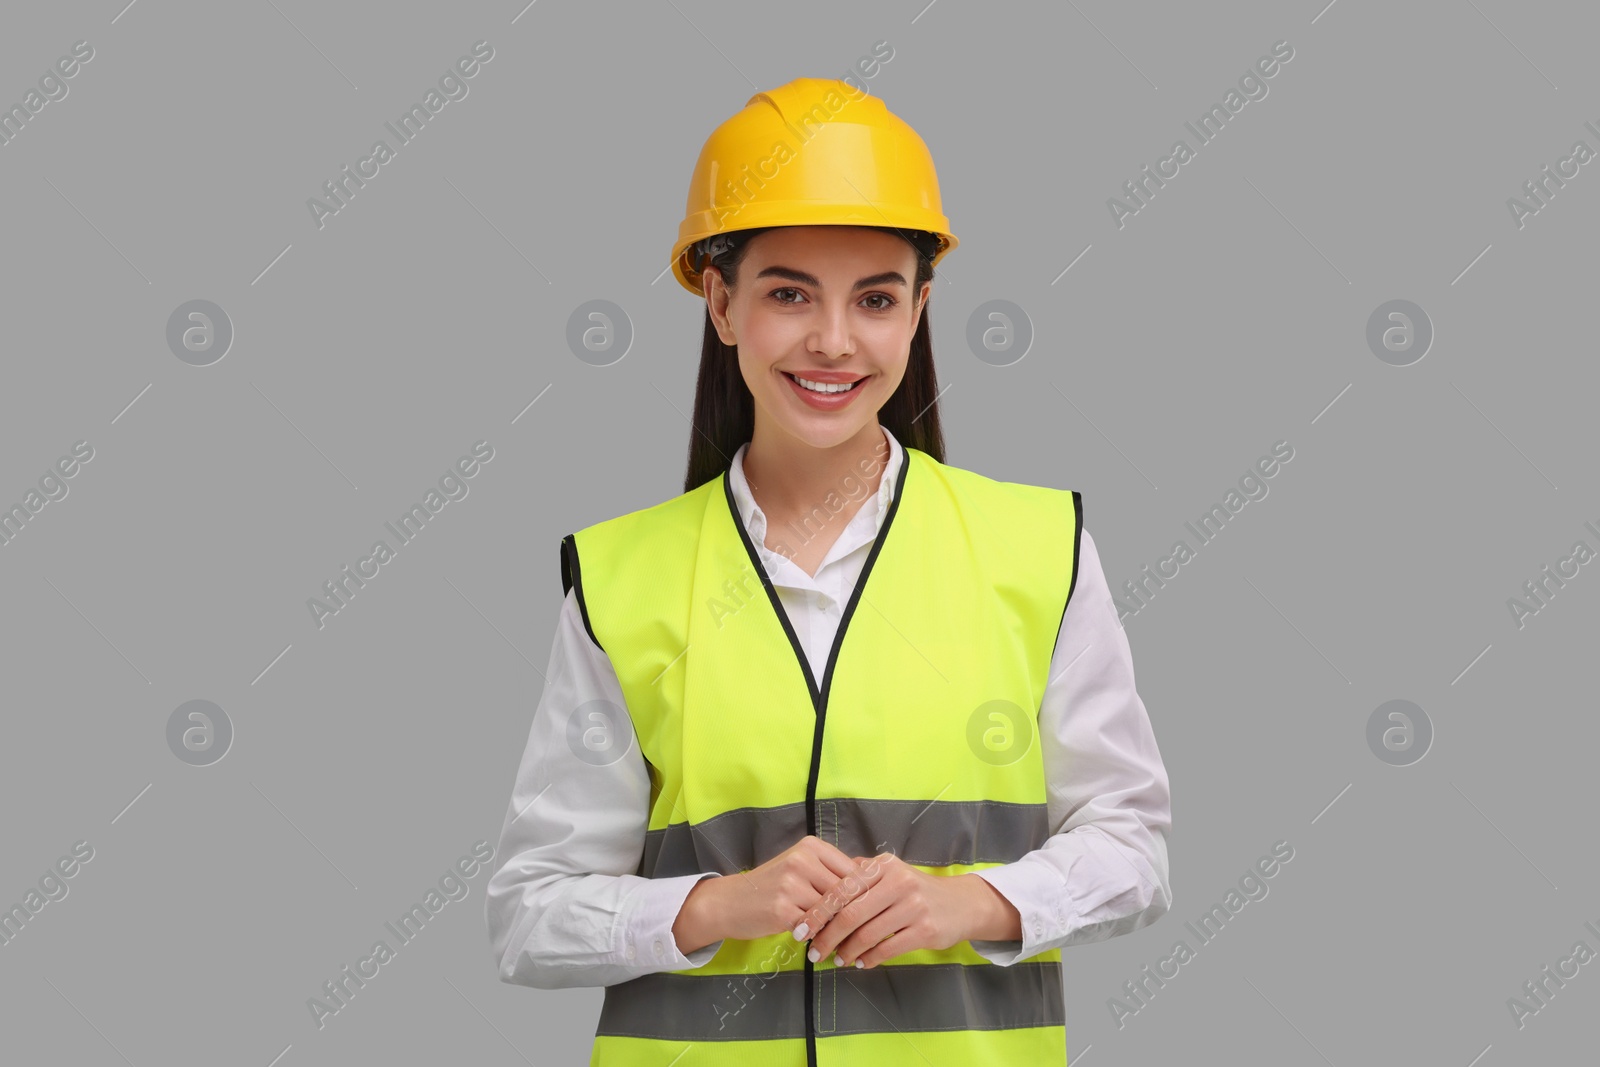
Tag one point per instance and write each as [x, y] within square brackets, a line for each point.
[786, 289]
[891, 301]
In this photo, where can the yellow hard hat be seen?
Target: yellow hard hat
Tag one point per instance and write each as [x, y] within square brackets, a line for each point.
[814, 152]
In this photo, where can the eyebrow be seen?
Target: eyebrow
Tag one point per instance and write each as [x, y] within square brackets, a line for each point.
[888, 277]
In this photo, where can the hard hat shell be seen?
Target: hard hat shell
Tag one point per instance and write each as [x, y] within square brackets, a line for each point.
[814, 152]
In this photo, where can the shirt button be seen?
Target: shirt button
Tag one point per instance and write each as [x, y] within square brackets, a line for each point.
[659, 950]
[630, 952]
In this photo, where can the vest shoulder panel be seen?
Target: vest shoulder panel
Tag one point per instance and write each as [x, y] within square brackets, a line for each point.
[652, 544]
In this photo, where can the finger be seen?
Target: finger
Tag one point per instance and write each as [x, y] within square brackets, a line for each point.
[830, 857]
[846, 878]
[886, 923]
[876, 866]
[835, 878]
[870, 873]
[855, 914]
[896, 944]
[832, 895]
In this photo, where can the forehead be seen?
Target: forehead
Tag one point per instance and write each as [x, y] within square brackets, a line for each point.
[850, 246]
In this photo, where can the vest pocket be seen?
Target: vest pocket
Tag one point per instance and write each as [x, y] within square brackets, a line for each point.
[827, 1005]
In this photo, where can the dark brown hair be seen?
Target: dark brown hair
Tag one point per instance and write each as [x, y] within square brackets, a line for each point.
[724, 410]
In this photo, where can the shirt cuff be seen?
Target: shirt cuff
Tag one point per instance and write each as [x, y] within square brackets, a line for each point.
[1040, 897]
[647, 936]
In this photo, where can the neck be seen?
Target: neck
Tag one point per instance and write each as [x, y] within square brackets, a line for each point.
[789, 477]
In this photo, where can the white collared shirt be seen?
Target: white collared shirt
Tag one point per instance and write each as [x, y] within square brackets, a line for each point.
[565, 908]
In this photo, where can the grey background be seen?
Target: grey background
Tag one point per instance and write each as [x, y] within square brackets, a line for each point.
[1228, 314]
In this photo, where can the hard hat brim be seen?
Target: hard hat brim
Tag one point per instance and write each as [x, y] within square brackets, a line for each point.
[811, 213]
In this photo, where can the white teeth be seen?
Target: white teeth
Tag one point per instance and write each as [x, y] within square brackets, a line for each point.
[824, 387]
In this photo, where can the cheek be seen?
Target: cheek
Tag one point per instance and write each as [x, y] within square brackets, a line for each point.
[891, 343]
[893, 377]
[764, 338]
[893, 333]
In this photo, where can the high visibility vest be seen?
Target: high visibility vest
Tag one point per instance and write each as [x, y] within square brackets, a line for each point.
[921, 738]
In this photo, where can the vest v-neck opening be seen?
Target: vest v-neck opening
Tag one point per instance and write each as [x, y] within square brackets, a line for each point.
[819, 695]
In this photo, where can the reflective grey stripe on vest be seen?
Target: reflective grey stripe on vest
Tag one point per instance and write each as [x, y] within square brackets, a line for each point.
[888, 998]
[933, 834]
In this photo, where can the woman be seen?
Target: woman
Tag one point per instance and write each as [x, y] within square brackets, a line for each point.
[837, 691]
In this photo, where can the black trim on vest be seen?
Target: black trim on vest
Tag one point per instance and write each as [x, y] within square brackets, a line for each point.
[572, 578]
[1077, 558]
[819, 697]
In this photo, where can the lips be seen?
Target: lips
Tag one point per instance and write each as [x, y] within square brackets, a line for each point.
[844, 378]
[827, 377]
[833, 400]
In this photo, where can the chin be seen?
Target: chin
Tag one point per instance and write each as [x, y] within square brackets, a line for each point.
[823, 433]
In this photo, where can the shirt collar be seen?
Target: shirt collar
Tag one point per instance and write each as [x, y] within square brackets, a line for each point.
[755, 521]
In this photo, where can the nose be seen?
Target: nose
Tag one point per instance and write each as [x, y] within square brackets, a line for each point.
[831, 334]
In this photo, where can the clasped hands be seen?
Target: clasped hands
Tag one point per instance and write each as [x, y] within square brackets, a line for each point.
[860, 909]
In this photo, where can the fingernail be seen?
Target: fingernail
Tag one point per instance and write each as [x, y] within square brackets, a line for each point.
[813, 955]
[838, 961]
[801, 931]
[860, 964]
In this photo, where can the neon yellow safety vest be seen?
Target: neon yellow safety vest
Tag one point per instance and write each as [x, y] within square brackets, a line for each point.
[920, 738]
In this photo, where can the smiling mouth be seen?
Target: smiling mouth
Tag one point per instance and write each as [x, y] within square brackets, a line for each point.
[823, 388]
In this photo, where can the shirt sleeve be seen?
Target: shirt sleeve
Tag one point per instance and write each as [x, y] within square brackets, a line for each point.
[566, 908]
[1103, 872]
